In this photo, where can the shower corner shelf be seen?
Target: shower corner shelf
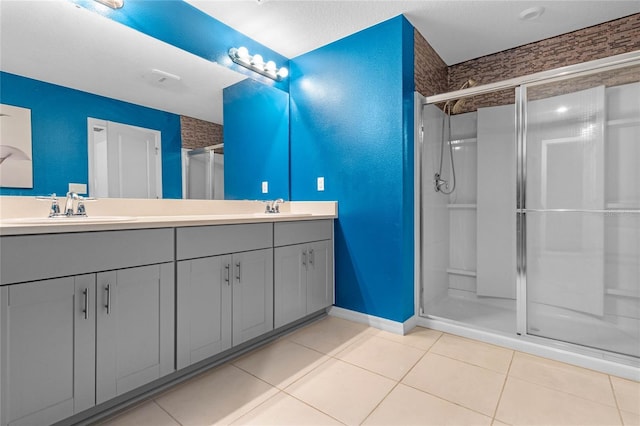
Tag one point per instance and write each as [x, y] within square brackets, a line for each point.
[464, 272]
[462, 206]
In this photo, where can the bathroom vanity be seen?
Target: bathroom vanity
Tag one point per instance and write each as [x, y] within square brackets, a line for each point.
[95, 314]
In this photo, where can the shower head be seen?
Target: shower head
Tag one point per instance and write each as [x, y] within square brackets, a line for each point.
[458, 106]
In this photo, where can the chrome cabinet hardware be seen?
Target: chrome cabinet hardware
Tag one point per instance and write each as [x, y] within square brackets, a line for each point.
[226, 273]
[304, 258]
[238, 271]
[311, 257]
[85, 311]
[108, 305]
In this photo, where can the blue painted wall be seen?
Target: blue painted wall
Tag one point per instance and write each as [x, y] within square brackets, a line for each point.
[256, 141]
[352, 122]
[182, 25]
[59, 133]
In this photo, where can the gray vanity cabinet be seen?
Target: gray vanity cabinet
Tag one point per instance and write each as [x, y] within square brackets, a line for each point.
[65, 343]
[135, 328]
[252, 294]
[47, 362]
[225, 288]
[204, 308]
[303, 269]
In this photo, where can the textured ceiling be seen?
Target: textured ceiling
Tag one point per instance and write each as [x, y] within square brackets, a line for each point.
[85, 51]
[457, 30]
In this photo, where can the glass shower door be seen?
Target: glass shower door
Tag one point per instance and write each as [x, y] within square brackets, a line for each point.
[582, 144]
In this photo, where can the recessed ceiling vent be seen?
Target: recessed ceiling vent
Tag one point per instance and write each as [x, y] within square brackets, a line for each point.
[163, 79]
[531, 14]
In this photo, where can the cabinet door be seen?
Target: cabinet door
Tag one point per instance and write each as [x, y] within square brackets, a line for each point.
[252, 294]
[203, 308]
[290, 283]
[319, 276]
[135, 328]
[46, 350]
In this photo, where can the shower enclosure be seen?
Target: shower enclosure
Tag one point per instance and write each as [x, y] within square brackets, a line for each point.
[203, 174]
[540, 238]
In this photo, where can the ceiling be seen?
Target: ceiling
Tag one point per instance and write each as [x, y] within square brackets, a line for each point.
[457, 30]
[83, 50]
[86, 51]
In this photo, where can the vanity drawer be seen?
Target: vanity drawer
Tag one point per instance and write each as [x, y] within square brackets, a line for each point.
[203, 241]
[37, 257]
[288, 233]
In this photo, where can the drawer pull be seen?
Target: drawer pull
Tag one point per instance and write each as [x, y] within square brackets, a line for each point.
[108, 305]
[85, 311]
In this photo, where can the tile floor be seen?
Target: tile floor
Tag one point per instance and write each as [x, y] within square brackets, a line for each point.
[339, 372]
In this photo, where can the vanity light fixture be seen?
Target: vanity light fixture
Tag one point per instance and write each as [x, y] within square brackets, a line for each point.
[257, 63]
[113, 4]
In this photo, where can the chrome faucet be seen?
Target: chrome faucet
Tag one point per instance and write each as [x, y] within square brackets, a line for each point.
[68, 205]
[274, 207]
[54, 210]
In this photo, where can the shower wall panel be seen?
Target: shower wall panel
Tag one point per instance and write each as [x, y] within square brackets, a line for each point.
[435, 216]
[497, 202]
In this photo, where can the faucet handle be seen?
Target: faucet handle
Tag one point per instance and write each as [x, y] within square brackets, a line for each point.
[81, 209]
[51, 197]
[54, 210]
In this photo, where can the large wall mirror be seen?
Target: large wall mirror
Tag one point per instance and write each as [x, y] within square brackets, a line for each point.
[72, 67]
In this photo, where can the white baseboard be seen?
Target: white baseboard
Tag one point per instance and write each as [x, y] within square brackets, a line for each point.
[373, 321]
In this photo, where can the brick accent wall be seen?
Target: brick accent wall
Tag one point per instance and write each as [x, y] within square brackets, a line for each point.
[199, 133]
[600, 41]
[430, 71]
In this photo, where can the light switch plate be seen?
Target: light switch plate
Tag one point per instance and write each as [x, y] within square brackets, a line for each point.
[321, 183]
[78, 188]
[265, 187]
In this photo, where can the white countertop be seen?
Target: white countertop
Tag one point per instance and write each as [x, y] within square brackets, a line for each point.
[25, 215]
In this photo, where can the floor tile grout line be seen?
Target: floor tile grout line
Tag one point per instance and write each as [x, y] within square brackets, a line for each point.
[504, 385]
[309, 405]
[469, 363]
[398, 382]
[379, 402]
[555, 389]
[434, 395]
[615, 399]
[168, 413]
[446, 400]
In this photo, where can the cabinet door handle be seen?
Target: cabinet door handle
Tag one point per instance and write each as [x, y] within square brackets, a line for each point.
[108, 305]
[238, 271]
[226, 273]
[311, 257]
[304, 258]
[85, 311]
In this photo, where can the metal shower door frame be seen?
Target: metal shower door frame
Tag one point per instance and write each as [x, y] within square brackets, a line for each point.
[520, 85]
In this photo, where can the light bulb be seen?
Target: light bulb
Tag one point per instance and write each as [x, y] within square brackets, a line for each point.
[270, 67]
[283, 72]
[243, 54]
[257, 60]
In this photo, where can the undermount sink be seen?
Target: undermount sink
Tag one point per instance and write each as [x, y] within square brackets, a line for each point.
[67, 219]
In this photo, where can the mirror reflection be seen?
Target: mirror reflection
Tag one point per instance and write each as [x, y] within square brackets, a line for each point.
[73, 68]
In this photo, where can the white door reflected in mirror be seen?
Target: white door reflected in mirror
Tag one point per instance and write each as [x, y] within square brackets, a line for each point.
[124, 161]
